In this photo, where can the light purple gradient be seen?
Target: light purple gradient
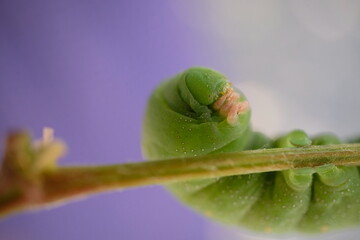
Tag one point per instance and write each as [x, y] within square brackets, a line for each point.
[86, 68]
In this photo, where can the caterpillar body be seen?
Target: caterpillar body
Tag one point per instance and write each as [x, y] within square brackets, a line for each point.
[198, 112]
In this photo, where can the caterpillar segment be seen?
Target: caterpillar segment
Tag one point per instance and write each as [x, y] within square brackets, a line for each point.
[198, 112]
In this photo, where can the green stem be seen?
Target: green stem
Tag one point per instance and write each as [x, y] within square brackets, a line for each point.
[67, 183]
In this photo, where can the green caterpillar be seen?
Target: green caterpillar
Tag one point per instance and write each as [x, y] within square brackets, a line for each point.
[198, 112]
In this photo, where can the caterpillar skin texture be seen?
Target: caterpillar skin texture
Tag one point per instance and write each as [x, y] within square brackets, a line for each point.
[197, 112]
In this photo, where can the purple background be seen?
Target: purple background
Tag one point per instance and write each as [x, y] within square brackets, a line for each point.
[86, 68]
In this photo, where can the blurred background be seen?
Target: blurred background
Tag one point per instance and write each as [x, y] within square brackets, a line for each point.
[86, 68]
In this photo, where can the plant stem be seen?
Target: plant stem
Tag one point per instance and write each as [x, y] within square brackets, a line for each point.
[66, 183]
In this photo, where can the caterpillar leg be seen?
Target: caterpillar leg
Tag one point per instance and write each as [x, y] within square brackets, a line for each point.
[335, 201]
[226, 199]
[285, 196]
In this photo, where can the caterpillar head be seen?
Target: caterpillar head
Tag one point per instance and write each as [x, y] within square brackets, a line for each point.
[194, 113]
[210, 93]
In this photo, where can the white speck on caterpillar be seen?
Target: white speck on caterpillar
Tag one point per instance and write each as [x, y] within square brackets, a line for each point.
[229, 105]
